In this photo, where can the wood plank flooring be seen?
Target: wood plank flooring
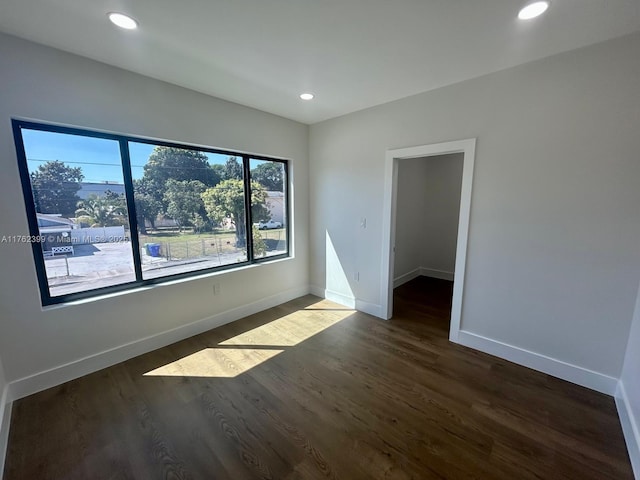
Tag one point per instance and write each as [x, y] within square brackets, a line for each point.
[311, 390]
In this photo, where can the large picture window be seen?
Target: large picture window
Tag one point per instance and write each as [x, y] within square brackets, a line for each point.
[110, 212]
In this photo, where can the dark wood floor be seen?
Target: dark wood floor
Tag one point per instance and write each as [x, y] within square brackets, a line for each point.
[311, 390]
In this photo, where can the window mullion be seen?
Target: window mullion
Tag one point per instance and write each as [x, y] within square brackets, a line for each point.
[287, 207]
[247, 202]
[131, 207]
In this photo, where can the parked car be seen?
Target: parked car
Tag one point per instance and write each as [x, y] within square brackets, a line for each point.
[269, 225]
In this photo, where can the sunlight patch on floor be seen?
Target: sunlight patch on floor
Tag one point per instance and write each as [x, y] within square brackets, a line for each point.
[215, 362]
[255, 346]
[291, 329]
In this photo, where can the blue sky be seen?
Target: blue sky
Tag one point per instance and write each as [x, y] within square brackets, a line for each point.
[99, 158]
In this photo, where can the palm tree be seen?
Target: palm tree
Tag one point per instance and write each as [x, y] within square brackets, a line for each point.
[101, 212]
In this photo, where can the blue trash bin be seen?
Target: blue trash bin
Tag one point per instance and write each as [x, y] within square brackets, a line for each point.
[154, 249]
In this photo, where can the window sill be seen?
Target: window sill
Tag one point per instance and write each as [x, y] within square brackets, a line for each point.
[163, 284]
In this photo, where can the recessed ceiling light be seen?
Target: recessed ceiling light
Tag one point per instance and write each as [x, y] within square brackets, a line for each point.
[306, 96]
[123, 21]
[533, 10]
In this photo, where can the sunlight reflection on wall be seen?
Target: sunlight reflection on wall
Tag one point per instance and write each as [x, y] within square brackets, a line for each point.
[336, 279]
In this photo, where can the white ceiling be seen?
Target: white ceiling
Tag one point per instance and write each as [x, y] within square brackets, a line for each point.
[352, 54]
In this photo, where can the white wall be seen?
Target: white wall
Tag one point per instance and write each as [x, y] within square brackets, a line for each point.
[441, 211]
[3, 384]
[628, 395]
[428, 207]
[552, 262]
[410, 206]
[5, 413]
[41, 83]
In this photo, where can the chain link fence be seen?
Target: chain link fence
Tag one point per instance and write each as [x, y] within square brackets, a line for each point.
[215, 245]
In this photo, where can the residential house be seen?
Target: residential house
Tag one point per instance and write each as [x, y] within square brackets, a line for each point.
[56, 232]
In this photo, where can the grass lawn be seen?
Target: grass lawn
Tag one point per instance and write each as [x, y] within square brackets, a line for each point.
[177, 246]
[186, 236]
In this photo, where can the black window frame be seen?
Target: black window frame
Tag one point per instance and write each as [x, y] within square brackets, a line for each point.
[123, 140]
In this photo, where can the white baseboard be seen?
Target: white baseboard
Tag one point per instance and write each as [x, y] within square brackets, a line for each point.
[316, 290]
[422, 272]
[551, 366]
[407, 277]
[630, 428]
[370, 308]
[84, 366]
[5, 422]
[432, 272]
[347, 301]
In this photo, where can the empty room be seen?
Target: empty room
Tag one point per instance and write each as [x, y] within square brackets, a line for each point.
[348, 240]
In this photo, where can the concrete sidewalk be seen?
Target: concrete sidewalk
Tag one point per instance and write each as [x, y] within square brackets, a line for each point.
[107, 264]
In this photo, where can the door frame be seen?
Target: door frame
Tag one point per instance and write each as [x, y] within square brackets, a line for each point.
[467, 147]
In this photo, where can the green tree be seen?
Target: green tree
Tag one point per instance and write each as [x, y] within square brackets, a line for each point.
[220, 171]
[270, 175]
[199, 222]
[55, 187]
[170, 163]
[101, 212]
[147, 206]
[259, 245]
[233, 169]
[227, 200]
[184, 201]
[114, 198]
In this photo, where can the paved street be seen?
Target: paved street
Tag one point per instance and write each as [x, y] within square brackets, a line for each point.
[107, 264]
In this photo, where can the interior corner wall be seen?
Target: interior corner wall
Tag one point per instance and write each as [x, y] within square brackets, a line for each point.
[42, 83]
[410, 205]
[552, 264]
[443, 175]
[628, 395]
[3, 385]
[427, 211]
[4, 416]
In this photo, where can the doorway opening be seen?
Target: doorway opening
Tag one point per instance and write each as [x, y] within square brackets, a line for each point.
[427, 211]
[456, 257]
[426, 300]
